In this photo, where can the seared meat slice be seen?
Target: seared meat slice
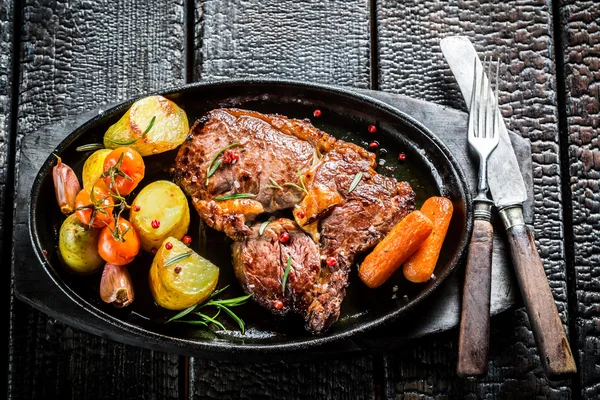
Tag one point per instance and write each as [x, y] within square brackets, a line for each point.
[285, 163]
[355, 222]
[264, 162]
[260, 262]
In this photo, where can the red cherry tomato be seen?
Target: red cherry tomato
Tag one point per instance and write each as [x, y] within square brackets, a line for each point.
[94, 206]
[123, 170]
[119, 245]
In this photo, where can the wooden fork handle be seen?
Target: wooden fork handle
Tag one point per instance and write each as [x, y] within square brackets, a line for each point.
[553, 347]
[473, 341]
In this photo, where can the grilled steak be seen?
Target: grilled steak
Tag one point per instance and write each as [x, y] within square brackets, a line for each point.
[260, 262]
[355, 223]
[270, 150]
[341, 206]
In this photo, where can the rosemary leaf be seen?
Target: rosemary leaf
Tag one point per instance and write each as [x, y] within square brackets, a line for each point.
[183, 313]
[90, 147]
[178, 257]
[213, 169]
[235, 318]
[301, 180]
[263, 226]
[300, 188]
[235, 196]
[214, 321]
[132, 141]
[214, 159]
[275, 184]
[286, 273]
[217, 292]
[237, 301]
[355, 182]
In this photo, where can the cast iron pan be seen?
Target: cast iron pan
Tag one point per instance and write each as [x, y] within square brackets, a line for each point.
[429, 168]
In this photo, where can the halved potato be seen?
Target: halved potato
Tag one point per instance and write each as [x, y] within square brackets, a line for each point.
[137, 130]
[78, 246]
[183, 283]
[164, 202]
[94, 167]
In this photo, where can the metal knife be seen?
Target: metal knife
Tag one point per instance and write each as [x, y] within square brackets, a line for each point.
[508, 192]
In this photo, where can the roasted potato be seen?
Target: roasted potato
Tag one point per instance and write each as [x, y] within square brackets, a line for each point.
[152, 125]
[164, 203]
[78, 247]
[178, 281]
[93, 167]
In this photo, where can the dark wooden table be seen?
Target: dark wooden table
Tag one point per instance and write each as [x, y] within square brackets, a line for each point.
[60, 58]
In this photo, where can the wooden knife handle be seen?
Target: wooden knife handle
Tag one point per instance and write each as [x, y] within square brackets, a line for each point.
[473, 340]
[553, 347]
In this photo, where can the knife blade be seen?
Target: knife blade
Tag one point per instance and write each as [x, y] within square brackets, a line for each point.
[504, 177]
[508, 192]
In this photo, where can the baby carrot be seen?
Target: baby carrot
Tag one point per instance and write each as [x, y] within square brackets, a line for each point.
[403, 240]
[420, 266]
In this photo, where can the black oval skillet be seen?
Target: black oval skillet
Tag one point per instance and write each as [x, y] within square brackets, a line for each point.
[429, 168]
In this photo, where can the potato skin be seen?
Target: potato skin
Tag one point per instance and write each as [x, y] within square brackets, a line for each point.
[165, 202]
[168, 131]
[195, 280]
[94, 167]
[78, 247]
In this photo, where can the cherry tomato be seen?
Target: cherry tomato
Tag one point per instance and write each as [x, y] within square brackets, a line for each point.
[119, 245]
[94, 206]
[123, 170]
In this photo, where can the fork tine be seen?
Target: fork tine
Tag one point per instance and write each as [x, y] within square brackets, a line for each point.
[480, 114]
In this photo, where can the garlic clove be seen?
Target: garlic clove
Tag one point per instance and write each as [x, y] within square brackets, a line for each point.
[66, 186]
[116, 287]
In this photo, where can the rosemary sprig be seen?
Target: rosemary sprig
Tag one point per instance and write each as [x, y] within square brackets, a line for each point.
[150, 125]
[286, 273]
[90, 147]
[274, 185]
[178, 257]
[235, 196]
[300, 188]
[263, 226]
[212, 167]
[355, 182]
[301, 180]
[224, 305]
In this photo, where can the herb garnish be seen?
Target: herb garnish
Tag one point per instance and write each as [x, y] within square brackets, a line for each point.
[274, 185]
[90, 147]
[224, 305]
[300, 187]
[178, 257]
[150, 125]
[286, 273]
[235, 196]
[263, 226]
[355, 182]
[212, 167]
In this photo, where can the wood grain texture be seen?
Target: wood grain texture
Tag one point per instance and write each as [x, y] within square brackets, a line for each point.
[474, 332]
[580, 25]
[410, 60]
[76, 55]
[6, 100]
[303, 40]
[553, 347]
[342, 378]
[6, 87]
[295, 39]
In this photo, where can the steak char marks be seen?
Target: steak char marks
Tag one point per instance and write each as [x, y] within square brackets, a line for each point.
[289, 164]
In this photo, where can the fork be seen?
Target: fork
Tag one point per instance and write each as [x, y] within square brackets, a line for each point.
[473, 343]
